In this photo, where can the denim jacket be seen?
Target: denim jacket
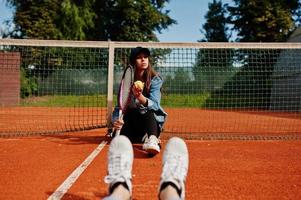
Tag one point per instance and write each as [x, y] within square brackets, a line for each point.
[153, 100]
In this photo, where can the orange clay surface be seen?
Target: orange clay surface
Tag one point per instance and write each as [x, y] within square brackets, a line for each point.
[34, 167]
[192, 121]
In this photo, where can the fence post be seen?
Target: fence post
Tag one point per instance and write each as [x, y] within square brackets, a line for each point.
[110, 84]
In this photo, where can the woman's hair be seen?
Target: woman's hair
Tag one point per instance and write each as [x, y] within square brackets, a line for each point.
[148, 74]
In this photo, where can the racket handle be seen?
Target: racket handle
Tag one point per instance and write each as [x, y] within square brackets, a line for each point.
[120, 114]
[117, 133]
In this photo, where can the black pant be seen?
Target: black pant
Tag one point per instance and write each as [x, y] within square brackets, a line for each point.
[136, 125]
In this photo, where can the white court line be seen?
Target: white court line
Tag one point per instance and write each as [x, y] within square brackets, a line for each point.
[65, 186]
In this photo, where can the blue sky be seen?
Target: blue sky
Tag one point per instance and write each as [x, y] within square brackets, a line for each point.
[189, 15]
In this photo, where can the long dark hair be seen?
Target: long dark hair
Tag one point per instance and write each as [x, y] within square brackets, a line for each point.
[148, 74]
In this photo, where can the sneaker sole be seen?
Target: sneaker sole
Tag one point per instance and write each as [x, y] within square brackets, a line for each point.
[152, 152]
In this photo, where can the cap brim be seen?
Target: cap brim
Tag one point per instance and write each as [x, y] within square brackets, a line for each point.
[143, 50]
[136, 51]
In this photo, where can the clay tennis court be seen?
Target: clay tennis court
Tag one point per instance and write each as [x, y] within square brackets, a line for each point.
[192, 122]
[223, 164]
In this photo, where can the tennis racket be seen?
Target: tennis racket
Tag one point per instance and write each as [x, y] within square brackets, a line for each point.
[125, 92]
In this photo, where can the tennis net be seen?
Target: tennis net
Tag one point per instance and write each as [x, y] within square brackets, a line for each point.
[209, 88]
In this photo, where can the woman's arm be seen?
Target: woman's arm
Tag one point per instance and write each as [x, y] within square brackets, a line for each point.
[154, 99]
[137, 92]
[155, 93]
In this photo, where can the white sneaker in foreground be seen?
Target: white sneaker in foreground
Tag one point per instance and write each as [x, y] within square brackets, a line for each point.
[151, 145]
[120, 161]
[175, 165]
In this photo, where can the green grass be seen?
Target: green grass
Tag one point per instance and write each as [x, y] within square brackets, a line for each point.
[66, 101]
[168, 100]
[172, 100]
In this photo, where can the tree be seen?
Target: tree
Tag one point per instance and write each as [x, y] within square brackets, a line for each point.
[257, 21]
[75, 18]
[209, 72]
[215, 29]
[263, 21]
[54, 19]
[125, 20]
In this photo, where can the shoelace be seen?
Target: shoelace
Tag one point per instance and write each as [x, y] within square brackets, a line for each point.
[145, 138]
[153, 141]
[119, 169]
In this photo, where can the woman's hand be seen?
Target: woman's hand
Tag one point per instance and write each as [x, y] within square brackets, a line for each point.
[118, 124]
[137, 92]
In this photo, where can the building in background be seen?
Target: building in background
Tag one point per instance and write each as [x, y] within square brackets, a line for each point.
[286, 78]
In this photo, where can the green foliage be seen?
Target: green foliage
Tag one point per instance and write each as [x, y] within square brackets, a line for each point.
[254, 21]
[263, 21]
[212, 66]
[28, 84]
[34, 19]
[75, 18]
[257, 21]
[67, 19]
[119, 20]
[251, 85]
[75, 82]
[82, 20]
[51, 65]
[181, 76]
[179, 82]
[215, 28]
[128, 20]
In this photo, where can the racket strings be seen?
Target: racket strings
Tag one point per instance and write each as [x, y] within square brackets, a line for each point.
[125, 90]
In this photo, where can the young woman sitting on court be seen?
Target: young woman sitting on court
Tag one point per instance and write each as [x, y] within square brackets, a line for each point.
[144, 117]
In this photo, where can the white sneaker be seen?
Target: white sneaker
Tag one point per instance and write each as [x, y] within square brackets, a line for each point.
[175, 165]
[151, 145]
[120, 161]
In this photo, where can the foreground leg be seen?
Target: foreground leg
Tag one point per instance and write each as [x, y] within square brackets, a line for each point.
[120, 161]
[174, 171]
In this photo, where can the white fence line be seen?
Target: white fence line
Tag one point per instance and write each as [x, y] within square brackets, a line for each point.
[117, 44]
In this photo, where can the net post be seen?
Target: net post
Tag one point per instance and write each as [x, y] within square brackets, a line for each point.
[110, 84]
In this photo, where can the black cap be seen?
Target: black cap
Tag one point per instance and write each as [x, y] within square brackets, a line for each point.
[136, 51]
